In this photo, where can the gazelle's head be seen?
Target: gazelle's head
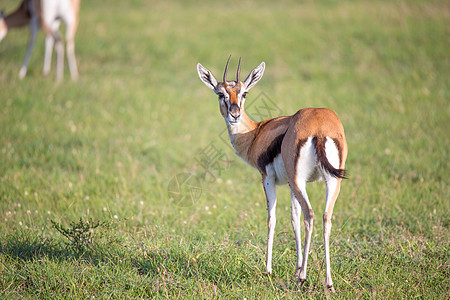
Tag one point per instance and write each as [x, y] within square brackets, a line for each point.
[3, 26]
[231, 93]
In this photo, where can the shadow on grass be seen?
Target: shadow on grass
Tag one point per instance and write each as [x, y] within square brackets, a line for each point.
[27, 247]
[219, 266]
[86, 240]
[217, 263]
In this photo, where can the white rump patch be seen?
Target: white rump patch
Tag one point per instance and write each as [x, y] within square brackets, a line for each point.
[332, 153]
[308, 168]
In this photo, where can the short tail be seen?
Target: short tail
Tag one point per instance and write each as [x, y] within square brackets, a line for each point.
[319, 144]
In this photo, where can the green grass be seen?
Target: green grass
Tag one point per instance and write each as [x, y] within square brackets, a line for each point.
[108, 148]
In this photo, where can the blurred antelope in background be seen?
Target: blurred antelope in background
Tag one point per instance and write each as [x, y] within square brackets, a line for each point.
[48, 15]
[307, 146]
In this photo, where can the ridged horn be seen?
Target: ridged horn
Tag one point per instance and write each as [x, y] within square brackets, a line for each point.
[226, 70]
[238, 70]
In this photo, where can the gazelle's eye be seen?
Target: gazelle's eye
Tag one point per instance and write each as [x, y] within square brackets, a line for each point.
[220, 95]
[244, 94]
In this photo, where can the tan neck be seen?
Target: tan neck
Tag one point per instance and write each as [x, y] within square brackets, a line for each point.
[242, 135]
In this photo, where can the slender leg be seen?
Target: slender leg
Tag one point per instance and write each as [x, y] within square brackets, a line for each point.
[299, 191]
[70, 44]
[59, 47]
[333, 187]
[295, 221]
[34, 27]
[51, 36]
[271, 196]
[72, 60]
[49, 42]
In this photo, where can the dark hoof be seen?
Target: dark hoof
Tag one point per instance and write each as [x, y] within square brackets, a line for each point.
[301, 287]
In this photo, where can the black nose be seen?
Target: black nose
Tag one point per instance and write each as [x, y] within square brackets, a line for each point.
[235, 111]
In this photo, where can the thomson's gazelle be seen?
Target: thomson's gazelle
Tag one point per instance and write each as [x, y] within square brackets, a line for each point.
[307, 146]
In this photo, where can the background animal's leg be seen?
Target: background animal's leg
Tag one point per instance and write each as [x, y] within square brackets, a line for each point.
[34, 28]
[71, 58]
[71, 29]
[51, 33]
[49, 42]
[59, 48]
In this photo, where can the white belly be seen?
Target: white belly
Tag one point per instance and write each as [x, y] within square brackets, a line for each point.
[277, 170]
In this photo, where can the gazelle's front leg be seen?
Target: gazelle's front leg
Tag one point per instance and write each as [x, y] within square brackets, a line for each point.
[271, 196]
[295, 221]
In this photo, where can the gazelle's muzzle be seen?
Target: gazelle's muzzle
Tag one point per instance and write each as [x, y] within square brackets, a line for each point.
[234, 111]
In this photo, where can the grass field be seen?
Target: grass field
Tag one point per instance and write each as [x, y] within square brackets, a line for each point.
[123, 184]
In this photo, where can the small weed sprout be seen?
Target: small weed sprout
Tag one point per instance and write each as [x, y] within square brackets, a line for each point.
[81, 234]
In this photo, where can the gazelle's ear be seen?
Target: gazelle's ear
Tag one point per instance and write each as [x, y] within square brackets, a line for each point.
[255, 76]
[207, 77]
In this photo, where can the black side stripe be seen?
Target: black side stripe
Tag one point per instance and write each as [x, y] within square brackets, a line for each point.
[272, 151]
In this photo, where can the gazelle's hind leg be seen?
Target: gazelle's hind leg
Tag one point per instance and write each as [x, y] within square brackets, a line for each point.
[298, 169]
[299, 190]
[295, 221]
[333, 187]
